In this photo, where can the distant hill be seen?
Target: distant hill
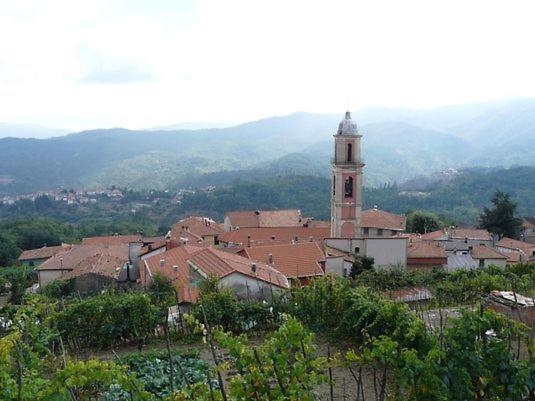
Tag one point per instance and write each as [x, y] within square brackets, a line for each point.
[460, 199]
[29, 131]
[397, 145]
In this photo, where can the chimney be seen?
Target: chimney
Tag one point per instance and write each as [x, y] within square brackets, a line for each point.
[175, 267]
[272, 237]
[270, 258]
[253, 267]
[162, 262]
[296, 239]
[248, 241]
[310, 239]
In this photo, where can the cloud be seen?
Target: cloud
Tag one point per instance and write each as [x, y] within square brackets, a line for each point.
[96, 68]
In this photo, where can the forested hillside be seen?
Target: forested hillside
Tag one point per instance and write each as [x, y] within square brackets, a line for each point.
[397, 145]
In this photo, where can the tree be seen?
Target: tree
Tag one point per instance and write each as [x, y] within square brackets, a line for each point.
[501, 218]
[360, 265]
[423, 222]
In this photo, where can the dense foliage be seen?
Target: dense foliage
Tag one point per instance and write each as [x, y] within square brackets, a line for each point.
[107, 319]
[501, 219]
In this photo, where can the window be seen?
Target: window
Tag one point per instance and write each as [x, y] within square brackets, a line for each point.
[357, 250]
[345, 272]
[334, 185]
[379, 231]
[366, 231]
[349, 187]
[349, 152]
[481, 262]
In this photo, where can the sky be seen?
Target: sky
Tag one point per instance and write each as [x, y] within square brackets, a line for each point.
[85, 64]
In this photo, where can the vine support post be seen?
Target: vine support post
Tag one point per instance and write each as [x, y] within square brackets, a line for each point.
[214, 356]
[169, 354]
[331, 387]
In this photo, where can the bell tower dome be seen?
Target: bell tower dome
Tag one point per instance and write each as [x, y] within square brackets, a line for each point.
[346, 200]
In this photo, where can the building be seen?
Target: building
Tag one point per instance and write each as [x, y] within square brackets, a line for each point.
[196, 229]
[460, 237]
[514, 305]
[346, 200]
[88, 261]
[486, 256]
[263, 218]
[272, 235]
[34, 257]
[425, 255]
[346, 212]
[378, 223]
[527, 233]
[299, 261]
[525, 250]
[188, 266]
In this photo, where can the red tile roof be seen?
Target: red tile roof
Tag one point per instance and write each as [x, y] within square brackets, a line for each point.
[221, 264]
[274, 235]
[69, 259]
[209, 261]
[100, 264]
[425, 249]
[470, 233]
[485, 252]
[265, 218]
[198, 226]
[179, 276]
[375, 218]
[44, 252]
[433, 235]
[511, 243]
[293, 260]
[111, 240]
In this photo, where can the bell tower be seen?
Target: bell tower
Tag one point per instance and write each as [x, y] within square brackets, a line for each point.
[346, 203]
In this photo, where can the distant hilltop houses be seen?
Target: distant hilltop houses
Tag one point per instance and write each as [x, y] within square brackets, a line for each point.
[70, 197]
[259, 253]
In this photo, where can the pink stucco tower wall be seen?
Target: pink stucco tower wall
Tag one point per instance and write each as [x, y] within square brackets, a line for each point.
[346, 204]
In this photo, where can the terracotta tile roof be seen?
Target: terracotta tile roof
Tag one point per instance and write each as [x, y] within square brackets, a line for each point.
[69, 259]
[198, 226]
[458, 233]
[44, 252]
[293, 260]
[111, 240]
[528, 224]
[511, 243]
[375, 218]
[470, 233]
[485, 252]
[319, 223]
[513, 257]
[265, 218]
[221, 264]
[425, 249]
[274, 235]
[179, 276]
[434, 235]
[100, 264]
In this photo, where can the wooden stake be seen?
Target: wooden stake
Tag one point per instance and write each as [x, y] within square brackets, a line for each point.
[214, 356]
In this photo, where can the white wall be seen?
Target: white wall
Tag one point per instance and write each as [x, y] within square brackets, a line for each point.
[386, 252]
[46, 276]
[493, 262]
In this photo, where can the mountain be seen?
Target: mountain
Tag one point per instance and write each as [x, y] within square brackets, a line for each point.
[397, 145]
[29, 131]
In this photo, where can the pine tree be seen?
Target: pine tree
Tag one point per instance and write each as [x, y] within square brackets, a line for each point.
[501, 218]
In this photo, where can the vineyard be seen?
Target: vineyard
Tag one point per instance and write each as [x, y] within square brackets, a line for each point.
[335, 339]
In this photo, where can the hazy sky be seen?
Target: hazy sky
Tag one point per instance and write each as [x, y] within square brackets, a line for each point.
[142, 63]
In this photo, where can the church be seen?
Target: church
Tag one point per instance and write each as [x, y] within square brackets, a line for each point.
[349, 236]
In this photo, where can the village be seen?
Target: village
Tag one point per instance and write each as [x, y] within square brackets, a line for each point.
[258, 252]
